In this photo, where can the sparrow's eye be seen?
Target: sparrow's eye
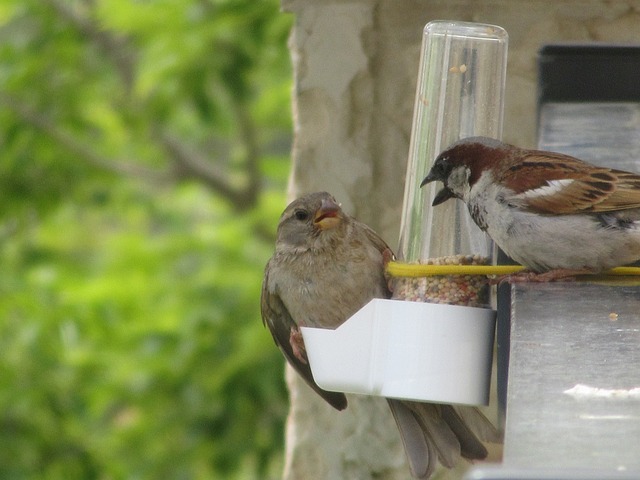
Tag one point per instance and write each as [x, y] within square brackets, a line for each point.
[441, 167]
[301, 215]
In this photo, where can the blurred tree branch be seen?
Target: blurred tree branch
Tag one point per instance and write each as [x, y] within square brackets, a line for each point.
[114, 46]
[189, 164]
[186, 159]
[69, 142]
[186, 163]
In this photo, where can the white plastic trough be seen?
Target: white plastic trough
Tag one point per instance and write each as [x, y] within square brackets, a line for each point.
[410, 350]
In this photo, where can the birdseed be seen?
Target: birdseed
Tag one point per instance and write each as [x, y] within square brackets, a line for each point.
[466, 290]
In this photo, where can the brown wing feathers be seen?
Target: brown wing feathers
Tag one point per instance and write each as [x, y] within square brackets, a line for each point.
[578, 187]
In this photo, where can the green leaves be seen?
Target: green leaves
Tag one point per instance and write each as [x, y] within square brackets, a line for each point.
[143, 168]
[102, 85]
[132, 342]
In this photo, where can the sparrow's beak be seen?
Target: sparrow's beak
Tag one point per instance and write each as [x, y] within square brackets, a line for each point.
[431, 177]
[443, 195]
[328, 215]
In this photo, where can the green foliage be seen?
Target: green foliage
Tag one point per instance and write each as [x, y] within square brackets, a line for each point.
[114, 85]
[131, 342]
[143, 168]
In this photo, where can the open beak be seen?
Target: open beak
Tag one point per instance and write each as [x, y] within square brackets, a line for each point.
[328, 215]
[443, 195]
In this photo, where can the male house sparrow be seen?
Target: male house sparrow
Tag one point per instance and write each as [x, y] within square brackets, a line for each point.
[555, 214]
[326, 266]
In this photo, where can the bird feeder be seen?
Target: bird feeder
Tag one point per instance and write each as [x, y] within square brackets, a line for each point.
[460, 94]
[434, 340]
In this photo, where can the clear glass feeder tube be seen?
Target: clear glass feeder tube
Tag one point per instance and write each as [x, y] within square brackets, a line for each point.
[460, 93]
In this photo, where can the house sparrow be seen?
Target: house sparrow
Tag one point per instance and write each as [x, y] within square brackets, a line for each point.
[327, 265]
[555, 214]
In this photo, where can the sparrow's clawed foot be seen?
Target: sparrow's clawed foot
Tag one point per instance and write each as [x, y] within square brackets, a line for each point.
[297, 345]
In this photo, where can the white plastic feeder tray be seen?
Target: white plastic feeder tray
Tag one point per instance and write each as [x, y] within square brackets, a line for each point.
[410, 350]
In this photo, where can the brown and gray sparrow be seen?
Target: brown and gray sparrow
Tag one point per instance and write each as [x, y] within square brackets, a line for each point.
[555, 214]
[326, 266]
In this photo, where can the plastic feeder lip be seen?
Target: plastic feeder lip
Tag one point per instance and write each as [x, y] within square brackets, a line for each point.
[409, 350]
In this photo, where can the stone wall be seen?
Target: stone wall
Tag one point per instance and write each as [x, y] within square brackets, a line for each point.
[355, 65]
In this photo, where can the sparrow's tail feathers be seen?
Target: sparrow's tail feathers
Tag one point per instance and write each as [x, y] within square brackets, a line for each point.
[470, 446]
[437, 431]
[420, 452]
[443, 432]
[479, 424]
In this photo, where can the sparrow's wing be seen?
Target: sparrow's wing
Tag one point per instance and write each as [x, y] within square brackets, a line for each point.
[556, 184]
[383, 248]
[374, 238]
[279, 322]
